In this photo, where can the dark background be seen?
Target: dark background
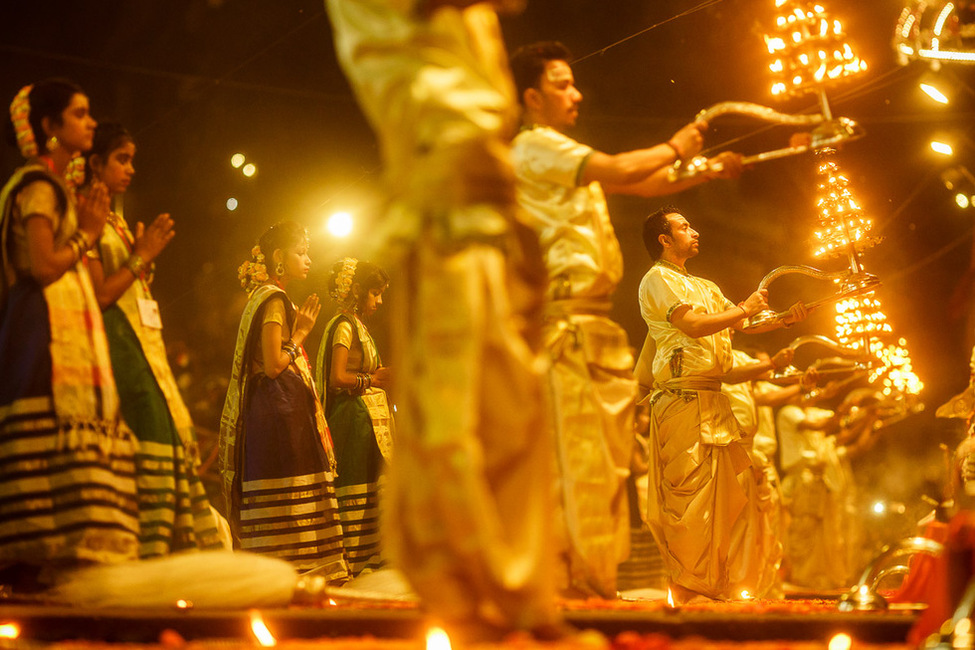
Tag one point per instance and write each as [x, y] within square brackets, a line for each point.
[198, 80]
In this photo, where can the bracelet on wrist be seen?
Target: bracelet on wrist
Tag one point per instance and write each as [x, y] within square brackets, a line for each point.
[291, 349]
[136, 264]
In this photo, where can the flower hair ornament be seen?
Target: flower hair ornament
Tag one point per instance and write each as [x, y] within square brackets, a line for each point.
[20, 116]
[74, 174]
[253, 272]
[343, 282]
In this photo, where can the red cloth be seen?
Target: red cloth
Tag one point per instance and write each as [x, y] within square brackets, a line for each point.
[940, 581]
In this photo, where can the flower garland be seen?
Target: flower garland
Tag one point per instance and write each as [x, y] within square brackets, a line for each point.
[20, 116]
[343, 281]
[74, 174]
[253, 273]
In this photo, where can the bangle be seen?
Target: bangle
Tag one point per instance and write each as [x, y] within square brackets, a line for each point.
[291, 349]
[673, 146]
[744, 312]
[78, 244]
[136, 264]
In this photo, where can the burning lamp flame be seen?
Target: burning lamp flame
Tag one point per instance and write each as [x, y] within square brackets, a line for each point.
[670, 599]
[9, 631]
[810, 48]
[437, 639]
[841, 641]
[261, 633]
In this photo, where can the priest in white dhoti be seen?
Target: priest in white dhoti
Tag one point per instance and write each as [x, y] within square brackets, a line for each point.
[701, 476]
[560, 187]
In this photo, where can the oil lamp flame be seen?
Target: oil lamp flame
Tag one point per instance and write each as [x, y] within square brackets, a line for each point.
[9, 631]
[261, 633]
[437, 639]
[841, 641]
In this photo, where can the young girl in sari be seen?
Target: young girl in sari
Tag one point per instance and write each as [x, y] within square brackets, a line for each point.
[174, 513]
[276, 453]
[351, 381]
[66, 461]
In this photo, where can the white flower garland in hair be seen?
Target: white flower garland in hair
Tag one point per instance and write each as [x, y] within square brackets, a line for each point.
[253, 273]
[343, 282]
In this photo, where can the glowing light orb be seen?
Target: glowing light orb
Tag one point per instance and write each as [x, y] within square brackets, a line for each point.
[232, 204]
[9, 631]
[437, 639]
[339, 224]
[962, 201]
[249, 170]
[237, 160]
[879, 508]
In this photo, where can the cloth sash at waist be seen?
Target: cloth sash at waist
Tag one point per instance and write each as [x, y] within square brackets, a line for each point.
[577, 306]
[717, 422]
[693, 384]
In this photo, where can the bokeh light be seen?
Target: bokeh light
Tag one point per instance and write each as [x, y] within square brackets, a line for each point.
[237, 160]
[941, 147]
[934, 93]
[249, 169]
[232, 204]
[339, 224]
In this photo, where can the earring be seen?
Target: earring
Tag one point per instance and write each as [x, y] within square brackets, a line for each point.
[279, 269]
[52, 144]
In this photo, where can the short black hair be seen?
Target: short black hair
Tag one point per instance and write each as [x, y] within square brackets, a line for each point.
[528, 63]
[655, 225]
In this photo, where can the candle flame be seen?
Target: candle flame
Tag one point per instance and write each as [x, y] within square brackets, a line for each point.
[9, 631]
[670, 598]
[261, 633]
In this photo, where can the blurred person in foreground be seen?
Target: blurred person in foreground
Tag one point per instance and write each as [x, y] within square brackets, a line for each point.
[468, 510]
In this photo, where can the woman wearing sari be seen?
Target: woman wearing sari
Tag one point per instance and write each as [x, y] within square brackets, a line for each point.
[174, 512]
[276, 455]
[67, 488]
[351, 381]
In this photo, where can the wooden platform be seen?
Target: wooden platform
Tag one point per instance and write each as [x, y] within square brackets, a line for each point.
[769, 620]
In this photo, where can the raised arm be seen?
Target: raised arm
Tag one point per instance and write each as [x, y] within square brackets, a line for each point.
[149, 242]
[620, 170]
[697, 324]
[277, 356]
[48, 262]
